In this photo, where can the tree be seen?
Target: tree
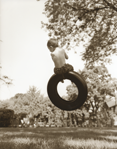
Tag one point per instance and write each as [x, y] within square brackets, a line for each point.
[90, 22]
[72, 92]
[32, 102]
[28, 102]
[5, 79]
[100, 84]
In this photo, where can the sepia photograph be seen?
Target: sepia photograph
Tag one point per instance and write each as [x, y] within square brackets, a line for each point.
[58, 76]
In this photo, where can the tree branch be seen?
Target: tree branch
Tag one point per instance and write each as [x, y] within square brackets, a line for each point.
[9, 81]
[86, 10]
[92, 105]
[110, 5]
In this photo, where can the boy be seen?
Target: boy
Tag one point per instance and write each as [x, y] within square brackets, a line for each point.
[58, 56]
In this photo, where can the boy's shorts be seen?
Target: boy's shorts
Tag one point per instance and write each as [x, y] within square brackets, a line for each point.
[64, 69]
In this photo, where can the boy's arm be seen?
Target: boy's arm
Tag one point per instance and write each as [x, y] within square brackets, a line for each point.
[66, 56]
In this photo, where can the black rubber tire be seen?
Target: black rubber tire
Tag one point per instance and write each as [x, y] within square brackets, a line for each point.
[61, 103]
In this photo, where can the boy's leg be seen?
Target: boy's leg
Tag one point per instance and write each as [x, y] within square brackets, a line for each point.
[63, 78]
[70, 68]
[62, 81]
[59, 71]
[65, 69]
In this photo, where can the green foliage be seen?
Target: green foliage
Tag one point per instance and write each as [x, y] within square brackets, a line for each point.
[92, 23]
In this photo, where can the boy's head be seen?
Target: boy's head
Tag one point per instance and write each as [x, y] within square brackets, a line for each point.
[52, 44]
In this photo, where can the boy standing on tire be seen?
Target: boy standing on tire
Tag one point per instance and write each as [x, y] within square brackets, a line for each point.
[58, 56]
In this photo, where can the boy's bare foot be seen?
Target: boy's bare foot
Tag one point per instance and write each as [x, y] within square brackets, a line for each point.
[62, 81]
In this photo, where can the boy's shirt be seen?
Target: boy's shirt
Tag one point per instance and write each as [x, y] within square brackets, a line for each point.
[58, 57]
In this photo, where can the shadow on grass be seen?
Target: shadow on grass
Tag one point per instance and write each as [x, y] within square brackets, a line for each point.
[81, 133]
[58, 138]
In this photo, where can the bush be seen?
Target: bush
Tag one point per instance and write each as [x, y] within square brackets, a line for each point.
[5, 117]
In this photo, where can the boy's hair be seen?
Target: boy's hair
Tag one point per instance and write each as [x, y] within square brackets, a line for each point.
[52, 42]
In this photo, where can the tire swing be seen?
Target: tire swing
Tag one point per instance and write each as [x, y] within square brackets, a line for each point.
[61, 103]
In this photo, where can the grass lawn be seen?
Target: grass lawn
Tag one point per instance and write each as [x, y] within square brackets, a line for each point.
[58, 138]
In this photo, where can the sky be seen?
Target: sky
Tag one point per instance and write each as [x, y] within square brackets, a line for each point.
[24, 56]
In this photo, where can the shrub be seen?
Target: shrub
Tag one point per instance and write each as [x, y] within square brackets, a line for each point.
[5, 117]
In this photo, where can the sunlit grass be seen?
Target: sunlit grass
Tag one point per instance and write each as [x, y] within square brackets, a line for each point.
[57, 138]
[30, 143]
[90, 144]
[113, 138]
